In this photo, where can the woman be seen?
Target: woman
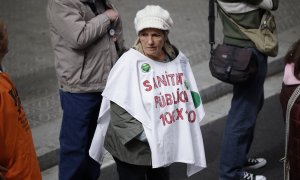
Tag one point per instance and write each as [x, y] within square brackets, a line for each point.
[291, 80]
[155, 106]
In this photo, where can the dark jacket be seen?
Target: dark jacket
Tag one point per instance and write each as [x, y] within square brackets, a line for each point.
[293, 153]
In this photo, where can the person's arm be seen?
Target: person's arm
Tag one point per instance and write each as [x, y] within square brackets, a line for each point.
[117, 26]
[69, 22]
[119, 37]
[252, 2]
[2, 117]
[264, 4]
[126, 126]
[269, 4]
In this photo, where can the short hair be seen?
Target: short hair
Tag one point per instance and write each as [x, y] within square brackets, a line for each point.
[2, 25]
[3, 43]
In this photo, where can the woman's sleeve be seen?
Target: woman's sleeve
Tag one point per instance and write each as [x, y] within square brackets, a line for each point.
[125, 126]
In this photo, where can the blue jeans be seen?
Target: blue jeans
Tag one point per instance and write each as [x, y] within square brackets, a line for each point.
[247, 101]
[80, 114]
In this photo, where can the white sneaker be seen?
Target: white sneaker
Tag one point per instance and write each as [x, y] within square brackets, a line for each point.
[255, 163]
[250, 176]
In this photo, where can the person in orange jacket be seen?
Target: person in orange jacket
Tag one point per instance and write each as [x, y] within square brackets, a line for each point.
[18, 160]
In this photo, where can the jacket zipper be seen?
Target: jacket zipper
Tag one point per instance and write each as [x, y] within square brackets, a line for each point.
[84, 58]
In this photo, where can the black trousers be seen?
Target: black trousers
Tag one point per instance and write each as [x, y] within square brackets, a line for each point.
[138, 172]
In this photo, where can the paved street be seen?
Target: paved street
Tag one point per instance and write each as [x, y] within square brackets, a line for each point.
[268, 143]
[30, 58]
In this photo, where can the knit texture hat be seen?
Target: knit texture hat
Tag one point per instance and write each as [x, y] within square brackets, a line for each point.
[152, 16]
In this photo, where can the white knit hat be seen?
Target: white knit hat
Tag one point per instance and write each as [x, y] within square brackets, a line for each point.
[152, 16]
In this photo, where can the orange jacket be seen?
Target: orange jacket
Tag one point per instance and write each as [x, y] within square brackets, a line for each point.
[17, 152]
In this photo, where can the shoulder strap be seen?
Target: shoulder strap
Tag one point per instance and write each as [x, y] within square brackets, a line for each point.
[228, 16]
[266, 15]
[211, 20]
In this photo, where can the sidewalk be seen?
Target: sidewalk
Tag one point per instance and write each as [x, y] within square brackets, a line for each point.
[216, 96]
[30, 60]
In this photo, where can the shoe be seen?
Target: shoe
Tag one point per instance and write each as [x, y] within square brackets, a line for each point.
[255, 163]
[250, 176]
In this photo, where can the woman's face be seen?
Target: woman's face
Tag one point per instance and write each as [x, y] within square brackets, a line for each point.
[3, 40]
[152, 41]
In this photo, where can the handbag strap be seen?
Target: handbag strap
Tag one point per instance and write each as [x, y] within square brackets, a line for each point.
[228, 17]
[290, 104]
[211, 21]
[262, 25]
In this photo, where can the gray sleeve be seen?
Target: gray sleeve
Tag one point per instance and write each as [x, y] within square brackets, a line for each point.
[120, 38]
[67, 18]
[125, 126]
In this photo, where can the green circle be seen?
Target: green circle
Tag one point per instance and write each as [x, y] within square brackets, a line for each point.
[146, 67]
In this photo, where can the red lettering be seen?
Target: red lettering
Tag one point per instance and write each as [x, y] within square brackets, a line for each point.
[161, 80]
[179, 114]
[169, 99]
[179, 78]
[155, 84]
[167, 114]
[191, 116]
[162, 102]
[146, 83]
[162, 117]
[156, 100]
[183, 96]
[172, 78]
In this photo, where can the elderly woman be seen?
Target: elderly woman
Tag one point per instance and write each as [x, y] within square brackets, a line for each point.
[155, 106]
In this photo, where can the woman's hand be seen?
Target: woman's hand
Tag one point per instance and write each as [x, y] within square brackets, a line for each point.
[112, 14]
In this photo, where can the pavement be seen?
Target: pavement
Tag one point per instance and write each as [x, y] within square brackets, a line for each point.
[30, 64]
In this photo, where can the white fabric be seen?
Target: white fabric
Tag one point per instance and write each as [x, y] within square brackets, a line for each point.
[266, 4]
[97, 150]
[152, 16]
[236, 8]
[140, 94]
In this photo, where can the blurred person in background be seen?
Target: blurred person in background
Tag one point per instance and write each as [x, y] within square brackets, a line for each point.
[87, 40]
[248, 97]
[291, 80]
[18, 160]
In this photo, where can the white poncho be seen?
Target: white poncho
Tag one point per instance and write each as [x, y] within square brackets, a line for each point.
[165, 99]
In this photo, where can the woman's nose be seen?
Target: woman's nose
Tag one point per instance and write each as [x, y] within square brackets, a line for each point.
[150, 40]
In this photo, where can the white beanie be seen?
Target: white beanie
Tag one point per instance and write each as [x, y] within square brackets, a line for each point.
[152, 16]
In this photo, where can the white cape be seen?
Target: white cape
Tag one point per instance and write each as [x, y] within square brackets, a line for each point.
[165, 99]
